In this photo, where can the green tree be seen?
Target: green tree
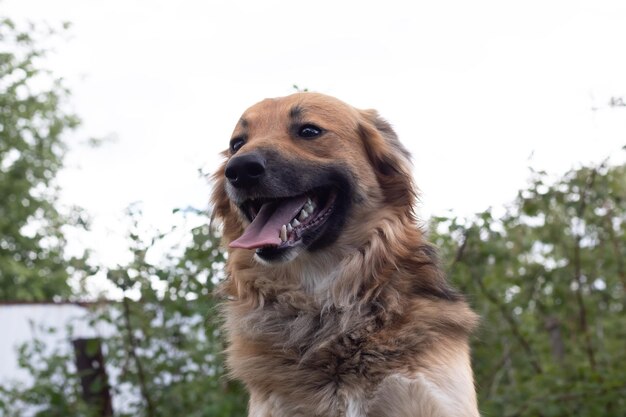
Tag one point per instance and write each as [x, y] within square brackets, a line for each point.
[33, 123]
[56, 392]
[164, 338]
[548, 279]
[167, 341]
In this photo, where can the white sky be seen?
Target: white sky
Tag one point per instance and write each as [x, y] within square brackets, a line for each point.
[472, 87]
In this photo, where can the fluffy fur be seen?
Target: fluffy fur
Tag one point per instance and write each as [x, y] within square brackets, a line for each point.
[359, 321]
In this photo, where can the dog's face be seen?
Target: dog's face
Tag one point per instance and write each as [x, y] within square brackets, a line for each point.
[301, 170]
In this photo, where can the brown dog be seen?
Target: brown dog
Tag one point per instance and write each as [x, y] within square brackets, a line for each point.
[336, 303]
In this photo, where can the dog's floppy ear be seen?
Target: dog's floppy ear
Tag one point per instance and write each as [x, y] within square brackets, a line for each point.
[389, 158]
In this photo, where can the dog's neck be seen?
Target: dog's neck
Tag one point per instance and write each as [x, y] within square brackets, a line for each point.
[338, 278]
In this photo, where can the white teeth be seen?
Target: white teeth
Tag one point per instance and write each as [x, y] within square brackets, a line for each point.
[306, 211]
[309, 206]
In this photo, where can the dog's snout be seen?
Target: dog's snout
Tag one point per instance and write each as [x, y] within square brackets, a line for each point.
[245, 170]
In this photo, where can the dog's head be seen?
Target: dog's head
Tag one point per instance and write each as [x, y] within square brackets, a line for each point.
[306, 171]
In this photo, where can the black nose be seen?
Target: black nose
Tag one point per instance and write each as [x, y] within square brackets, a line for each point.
[245, 170]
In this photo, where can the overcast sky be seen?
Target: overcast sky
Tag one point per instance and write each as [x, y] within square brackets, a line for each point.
[474, 88]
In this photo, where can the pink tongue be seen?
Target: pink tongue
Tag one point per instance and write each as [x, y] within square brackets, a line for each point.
[265, 228]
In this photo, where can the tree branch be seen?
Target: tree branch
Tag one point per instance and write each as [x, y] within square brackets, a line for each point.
[532, 357]
[489, 382]
[582, 311]
[132, 350]
[619, 259]
[494, 300]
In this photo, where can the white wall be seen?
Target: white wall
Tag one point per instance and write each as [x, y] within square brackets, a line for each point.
[20, 323]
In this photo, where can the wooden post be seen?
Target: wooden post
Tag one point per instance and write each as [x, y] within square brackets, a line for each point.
[93, 377]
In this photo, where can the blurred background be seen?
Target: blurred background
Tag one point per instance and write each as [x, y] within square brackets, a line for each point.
[112, 116]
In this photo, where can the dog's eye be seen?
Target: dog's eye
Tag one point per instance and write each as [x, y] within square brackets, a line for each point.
[309, 131]
[237, 143]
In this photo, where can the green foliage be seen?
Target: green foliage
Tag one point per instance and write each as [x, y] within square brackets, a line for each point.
[548, 279]
[164, 338]
[299, 89]
[167, 340]
[56, 392]
[32, 125]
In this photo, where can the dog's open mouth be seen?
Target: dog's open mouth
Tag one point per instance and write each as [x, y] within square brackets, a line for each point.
[278, 223]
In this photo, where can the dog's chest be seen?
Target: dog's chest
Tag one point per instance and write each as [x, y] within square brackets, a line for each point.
[315, 362]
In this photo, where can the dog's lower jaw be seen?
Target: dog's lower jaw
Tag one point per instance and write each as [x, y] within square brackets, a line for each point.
[286, 257]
